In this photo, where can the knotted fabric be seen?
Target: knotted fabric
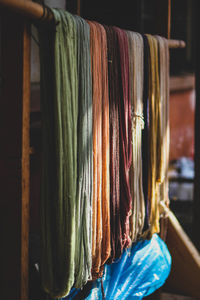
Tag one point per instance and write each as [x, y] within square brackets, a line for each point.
[136, 61]
[164, 126]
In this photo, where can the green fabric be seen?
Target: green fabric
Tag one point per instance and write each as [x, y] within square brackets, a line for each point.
[85, 159]
[66, 200]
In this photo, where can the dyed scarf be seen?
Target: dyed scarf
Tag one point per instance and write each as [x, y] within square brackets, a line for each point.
[101, 197]
[95, 50]
[59, 99]
[164, 126]
[113, 80]
[106, 246]
[83, 253]
[66, 202]
[136, 61]
[154, 117]
[145, 132]
[125, 135]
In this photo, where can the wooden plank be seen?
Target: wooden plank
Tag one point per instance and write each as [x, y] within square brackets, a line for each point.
[14, 178]
[185, 273]
[25, 184]
[196, 222]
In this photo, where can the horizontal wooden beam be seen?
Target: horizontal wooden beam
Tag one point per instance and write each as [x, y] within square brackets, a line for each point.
[37, 11]
[28, 8]
[176, 44]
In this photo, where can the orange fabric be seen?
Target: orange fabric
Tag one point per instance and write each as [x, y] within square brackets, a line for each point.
[101, 183]
[97, 145]
[106, 243]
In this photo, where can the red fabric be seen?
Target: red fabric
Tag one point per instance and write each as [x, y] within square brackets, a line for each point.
[125, 135]
[113, 80]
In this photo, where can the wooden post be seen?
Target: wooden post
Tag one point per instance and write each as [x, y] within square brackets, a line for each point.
[14, 155]
[196, 214]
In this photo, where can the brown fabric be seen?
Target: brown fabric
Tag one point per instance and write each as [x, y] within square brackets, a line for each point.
[113, 80]
[125, 135]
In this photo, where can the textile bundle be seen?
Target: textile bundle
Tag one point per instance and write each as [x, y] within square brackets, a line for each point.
[104, 96]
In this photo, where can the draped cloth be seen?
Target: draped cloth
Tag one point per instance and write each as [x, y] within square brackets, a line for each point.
[101, 197]
[114, 102]
[154, 133]
[106, 245]
[145, 132]
[105, 128]
[83, 254]
[164, 126]
[136, 69]
[125, 136]
[95, 50]
[65, 202]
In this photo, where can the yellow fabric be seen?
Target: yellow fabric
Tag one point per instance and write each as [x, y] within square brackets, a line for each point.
[154, 145]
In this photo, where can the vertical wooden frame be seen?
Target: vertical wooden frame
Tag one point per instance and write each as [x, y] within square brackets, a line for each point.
[25, 184]
[196, 209]
[14, 155]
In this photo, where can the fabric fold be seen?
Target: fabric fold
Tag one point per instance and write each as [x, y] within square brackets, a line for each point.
[125, 139]
[136, 54]
[113, 80]
[59, 101]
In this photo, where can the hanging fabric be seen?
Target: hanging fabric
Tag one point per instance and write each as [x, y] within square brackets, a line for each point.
[145, 133]
[136, 55]
[154, 117]
[66, 204]
[59, 97]
[125, 139]
[101, 198]
[106, 246]
[83, 253]
[96, 64]
[164, 124]
[113, 80]
[105, 108]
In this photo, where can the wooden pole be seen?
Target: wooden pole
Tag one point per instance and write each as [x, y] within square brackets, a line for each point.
[25, 162]
[27, 8]
[14, 155]
[176, 44]
[196, 206]
[35, 11]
